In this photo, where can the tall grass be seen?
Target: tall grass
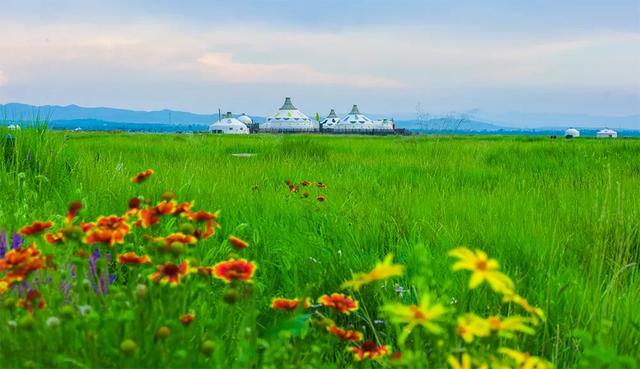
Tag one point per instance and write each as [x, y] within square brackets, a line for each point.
[562, 216]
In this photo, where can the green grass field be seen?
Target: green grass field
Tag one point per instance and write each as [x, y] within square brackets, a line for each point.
[561, 217]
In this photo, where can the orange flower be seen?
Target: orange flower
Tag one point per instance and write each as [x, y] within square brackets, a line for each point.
[293, 188]
[238, 243]
[186, 319]
[345, 334]
[170, 273]
[320, 185]
[183, 207]
[202, 216]
[53, 238]
[339, 302]
[35, 228]
[210, 222]
[147, 217]
[132, 258]
[280, 303]
[206, 271]
[142, 176]
[235, 270]
[321, 198]
[304, 183]
[165, 207]
[369, 350]
[108, 230]
[180, 237]
[19, 263]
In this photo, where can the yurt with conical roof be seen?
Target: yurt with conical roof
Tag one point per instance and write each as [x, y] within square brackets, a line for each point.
[229, 125]
[330, 120]
[354, 121]
[288, 118]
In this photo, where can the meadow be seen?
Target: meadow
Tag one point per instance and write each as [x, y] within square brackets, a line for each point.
[562, 217]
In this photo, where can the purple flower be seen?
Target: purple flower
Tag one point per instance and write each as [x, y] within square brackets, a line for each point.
[3, 242]
[16, 242]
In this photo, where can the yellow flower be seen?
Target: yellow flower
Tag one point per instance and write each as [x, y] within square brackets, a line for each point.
[471, 326]
[510, 324]
[385, 269]
[483, 268]
[424, 314]
[536, 312]
[524, 360]
[465, 363]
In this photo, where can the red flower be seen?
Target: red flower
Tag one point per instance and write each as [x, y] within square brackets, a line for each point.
[170, 273]
[345, 334]
[206, 271]
[183, 207]
[186, 319]
[369, 350]
[238, 243]
[293, 188]
[339, 302]
[74, 208]
[32, 299]
[142, 176]
[235, 270]
[132, 258]
[320, 185]
[280, 303]
[35, 228]
[321, 198]
[209, 220]
[304, 183]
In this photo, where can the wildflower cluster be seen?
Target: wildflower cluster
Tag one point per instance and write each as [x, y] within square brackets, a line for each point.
[307, 189]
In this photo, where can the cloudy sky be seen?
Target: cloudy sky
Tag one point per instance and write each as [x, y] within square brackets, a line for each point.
[544, 56]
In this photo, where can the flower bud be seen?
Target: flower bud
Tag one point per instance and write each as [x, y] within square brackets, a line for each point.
[142, 290]
[208, 347]
[67, 311]
[128, 346]
[187, 228]
[176, 248]
[163, 332]
[167, 196]
[231, 296]
[27, 322]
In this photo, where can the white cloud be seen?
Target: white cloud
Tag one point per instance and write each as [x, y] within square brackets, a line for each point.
[223, 67]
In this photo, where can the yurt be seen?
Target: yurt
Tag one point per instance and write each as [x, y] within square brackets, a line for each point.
[244, 118]
[607, 133]
[384, 124]
[13, 127]
[354, 121]
[288, 118]
[229, 125]
[571, 133]
[331, 120]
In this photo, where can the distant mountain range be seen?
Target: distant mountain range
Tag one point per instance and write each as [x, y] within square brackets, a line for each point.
[73, 116]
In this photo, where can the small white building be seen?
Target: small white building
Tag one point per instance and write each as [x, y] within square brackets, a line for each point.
[289, 118]
[607, 133]
[571, 133]
[229, 125]
[14, 127]
[330, 121]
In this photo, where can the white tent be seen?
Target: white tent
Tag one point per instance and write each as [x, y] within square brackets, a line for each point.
[571, 133]
[356, 121]
[288, 118]
[331, 120]
[13, 127]
[229, 125]
[607, 133]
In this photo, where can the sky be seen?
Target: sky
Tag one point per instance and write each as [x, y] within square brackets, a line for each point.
[500, 56]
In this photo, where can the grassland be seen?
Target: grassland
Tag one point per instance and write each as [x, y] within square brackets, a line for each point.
[562, 217]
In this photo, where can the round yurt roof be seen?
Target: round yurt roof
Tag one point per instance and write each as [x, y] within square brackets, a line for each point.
[606, 132]
[355, 117]
[572, 132]
[244, 118]
[289, 117]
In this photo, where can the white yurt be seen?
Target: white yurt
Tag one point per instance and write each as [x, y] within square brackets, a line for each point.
[607, 133]
[229, 125]
[244, 118]
[288, 118]
[571, 133]
[384, 124]
[331, 120]
[13, 127]
[355, 121]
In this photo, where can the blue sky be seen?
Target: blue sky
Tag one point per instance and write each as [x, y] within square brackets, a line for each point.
[496, 56]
